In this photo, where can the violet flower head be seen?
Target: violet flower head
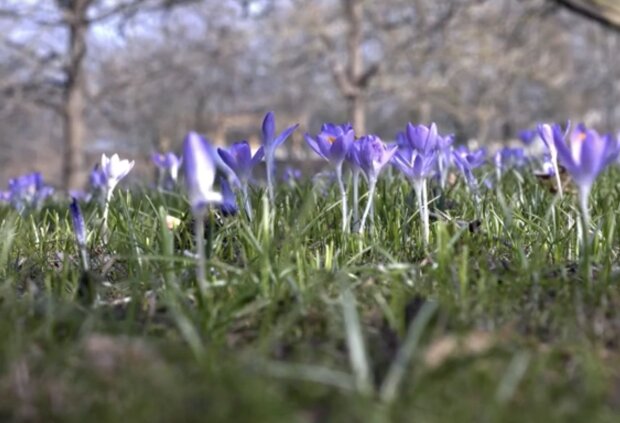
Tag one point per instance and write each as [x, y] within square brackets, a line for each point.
[28, 190]
[422, 138]
[372, 155]
[474, 159]
[114, 169]
[96, 178]
[291, 174]
[546, 134]
[415, 165]
[584, 153]
[332, 143]
[466, 161]
[270, 143]
[270, 140]
[527, 136]
[238, 157]
[168, 163]
[200, 171]
[507, 157]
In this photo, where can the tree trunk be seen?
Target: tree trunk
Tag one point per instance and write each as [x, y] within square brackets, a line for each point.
[73, 108]
[357, 102]
[357, 113]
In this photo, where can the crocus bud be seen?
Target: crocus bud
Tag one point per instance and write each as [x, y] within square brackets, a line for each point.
[200, 170]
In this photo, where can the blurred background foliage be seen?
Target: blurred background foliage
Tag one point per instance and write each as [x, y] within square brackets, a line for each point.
[82, 77]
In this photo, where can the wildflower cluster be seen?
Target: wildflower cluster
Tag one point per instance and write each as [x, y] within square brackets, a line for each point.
[426, 159]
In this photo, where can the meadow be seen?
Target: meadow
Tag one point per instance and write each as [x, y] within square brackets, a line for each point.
[501, 317]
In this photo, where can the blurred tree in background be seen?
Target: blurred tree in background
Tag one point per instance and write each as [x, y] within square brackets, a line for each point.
[81, 76]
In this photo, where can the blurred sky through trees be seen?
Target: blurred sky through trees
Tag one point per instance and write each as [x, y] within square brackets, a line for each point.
[147, 71]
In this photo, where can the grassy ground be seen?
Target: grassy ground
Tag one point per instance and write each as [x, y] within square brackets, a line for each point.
[495, 321]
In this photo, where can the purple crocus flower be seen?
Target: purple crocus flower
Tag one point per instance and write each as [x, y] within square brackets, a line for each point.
[270, 143]
[240, 160]
[356, 170]
[28, 190]
[527, 136]
[475, 158]
[372, 155]
[79, 228]
[546, 134]
[333, 143]
[168, 165]
[418, 166]
[507, 158]
[422, 138]
[585, 154]
[200, 172]
[426, 139]
[80, 194]
[415, 165]
[444, 157]
[466, 161]
[228, 207]
[97, 178]
[291, 174]
[199, 167]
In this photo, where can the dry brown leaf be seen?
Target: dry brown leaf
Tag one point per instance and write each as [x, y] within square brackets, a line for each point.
[451, 346]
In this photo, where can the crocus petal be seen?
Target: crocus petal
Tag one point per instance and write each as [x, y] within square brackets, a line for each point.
[431, 139]
[592, 156]
[284, 135]
[564, 155]
[227, 158]
[340, 148]
[258, 156]
[546, 135]
[269, 128]
[313, 144]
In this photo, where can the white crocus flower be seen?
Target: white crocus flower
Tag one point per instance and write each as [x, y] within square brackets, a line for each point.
[114, 170]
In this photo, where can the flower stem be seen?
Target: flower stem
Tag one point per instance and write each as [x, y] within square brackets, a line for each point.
[420, 187]
[106, 211]
[371, 193]
[425, 219]
[585, 231]
[199, 228]
[558, 181]
[270, 190]
[85, 258]
[343, 197]
[356, 184]
[246, 201]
